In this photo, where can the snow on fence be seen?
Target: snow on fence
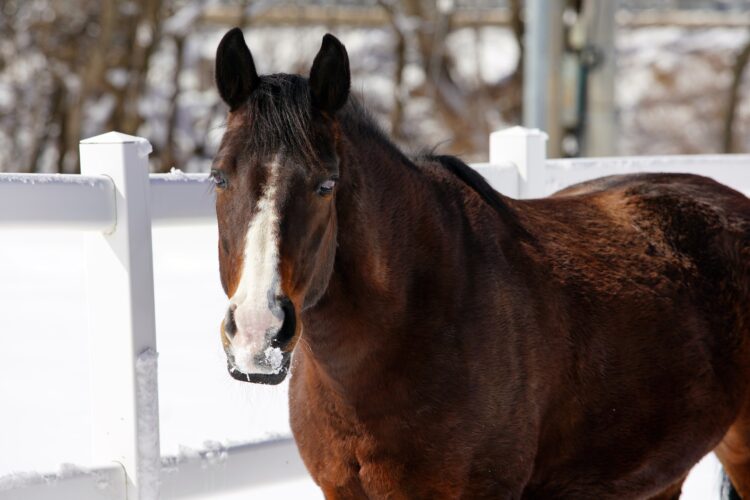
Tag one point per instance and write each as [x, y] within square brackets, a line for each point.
[117, 202]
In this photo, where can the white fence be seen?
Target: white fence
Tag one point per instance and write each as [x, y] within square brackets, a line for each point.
[116, 202]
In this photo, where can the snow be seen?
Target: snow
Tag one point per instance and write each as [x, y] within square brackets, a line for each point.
[175, 174]
[147, 395]
[100, 110]
[210, 454]
[81, 180]
[183, 20]
[668, 76]
[118, 77]
[143, 145]
[16, 480]
[274, 357]
[487, 55]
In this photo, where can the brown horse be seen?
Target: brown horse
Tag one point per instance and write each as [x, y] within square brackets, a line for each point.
[450, 342]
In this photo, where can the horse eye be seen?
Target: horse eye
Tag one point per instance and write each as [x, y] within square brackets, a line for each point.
[326, 187]
[218, 178]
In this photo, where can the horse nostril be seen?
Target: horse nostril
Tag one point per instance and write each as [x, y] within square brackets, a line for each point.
[288, 327]
[230, 327]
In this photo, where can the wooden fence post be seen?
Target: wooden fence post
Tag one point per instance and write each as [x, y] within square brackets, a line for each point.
[527, 149]
[120, 287]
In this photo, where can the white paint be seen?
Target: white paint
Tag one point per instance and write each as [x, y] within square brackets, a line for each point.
[87, 202]
[257, 315]
[526, 148]
[121, 315]
[731, 170]
[182, 199]
[52, 201]
[142, 146]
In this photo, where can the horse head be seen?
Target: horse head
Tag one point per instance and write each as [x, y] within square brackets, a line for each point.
[276, 175]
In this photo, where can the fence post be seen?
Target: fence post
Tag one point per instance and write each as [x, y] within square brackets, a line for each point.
[120, 287]
[527, 149]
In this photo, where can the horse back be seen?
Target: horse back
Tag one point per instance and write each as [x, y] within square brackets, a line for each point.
[654, 240]
[647, 281]
[701, 224]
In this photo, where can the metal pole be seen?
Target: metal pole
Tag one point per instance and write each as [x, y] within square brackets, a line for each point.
[535, 67]
[543, 50]
[601, 122]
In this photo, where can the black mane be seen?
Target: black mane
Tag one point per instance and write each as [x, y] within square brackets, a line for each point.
[479, 184]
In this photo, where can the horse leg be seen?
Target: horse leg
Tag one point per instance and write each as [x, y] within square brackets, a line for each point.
[734, 454]
[673, 492]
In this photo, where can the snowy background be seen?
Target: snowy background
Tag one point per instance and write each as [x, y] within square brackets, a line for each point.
[433, 72]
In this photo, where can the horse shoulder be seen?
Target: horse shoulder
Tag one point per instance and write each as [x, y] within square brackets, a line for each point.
[323, 435]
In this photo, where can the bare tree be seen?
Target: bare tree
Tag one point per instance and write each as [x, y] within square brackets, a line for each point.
[738, 70]
[92, 66]
[423, 27]
[89, 63]
[399, 53]
[143, 34]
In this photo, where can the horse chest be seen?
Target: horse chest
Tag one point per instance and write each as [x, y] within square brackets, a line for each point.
[358, 464]
[348, 461]
[342, 460]
[356, 468]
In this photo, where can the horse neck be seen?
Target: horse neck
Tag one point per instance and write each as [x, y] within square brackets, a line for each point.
[385, 216]
[376, 215]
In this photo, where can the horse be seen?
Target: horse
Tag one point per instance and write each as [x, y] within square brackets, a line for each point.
[451, 342]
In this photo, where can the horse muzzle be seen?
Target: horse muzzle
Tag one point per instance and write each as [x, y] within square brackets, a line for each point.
[257, 341]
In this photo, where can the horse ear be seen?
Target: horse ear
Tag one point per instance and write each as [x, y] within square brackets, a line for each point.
[329, 76]
[235, 71]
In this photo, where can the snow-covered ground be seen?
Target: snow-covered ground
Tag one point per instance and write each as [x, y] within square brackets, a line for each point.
[44, 372]
[44, 358]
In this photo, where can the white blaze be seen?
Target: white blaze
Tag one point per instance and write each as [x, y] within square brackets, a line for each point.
[257, 314]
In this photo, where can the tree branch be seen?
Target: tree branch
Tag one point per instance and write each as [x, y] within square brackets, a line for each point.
[740, 63]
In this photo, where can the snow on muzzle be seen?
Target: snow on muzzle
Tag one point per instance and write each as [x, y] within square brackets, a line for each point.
[256, 337]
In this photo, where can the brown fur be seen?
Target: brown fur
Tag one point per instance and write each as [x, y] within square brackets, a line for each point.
[460, 344]
[602, 359]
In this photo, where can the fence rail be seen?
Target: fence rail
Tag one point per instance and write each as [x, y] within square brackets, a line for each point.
[181, 199]
[87, 202]
[53, 201]
[116, 202]
[732, 170]
[207, 473]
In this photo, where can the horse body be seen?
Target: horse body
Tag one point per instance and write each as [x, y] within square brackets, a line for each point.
[453, 343]
[598, 356]
[653, 279]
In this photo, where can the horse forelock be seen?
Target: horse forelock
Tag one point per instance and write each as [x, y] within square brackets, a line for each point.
[277, 116]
